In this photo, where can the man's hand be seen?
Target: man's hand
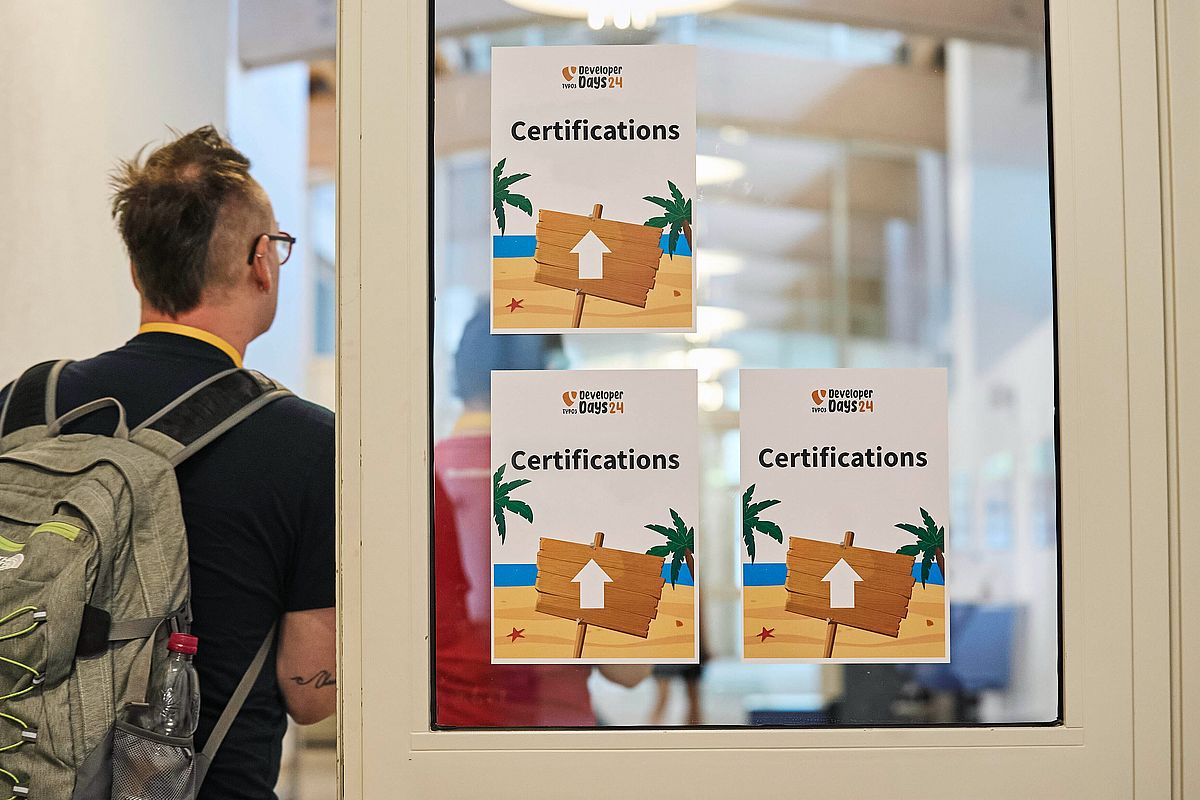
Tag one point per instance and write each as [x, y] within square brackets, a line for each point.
[306, 664]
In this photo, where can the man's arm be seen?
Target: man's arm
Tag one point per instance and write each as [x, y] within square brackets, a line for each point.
[306, 658]
[306, 664]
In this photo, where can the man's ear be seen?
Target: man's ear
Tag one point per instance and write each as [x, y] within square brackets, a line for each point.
[260, 272]
[133, 277]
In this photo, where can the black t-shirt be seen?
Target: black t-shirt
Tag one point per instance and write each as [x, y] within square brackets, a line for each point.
[259, 508]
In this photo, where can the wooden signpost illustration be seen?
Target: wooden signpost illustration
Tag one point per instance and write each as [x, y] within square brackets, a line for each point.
[595, 585]
[847, 585]
[593, 256]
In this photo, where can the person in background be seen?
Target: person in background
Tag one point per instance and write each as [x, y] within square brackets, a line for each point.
[470, 690]
[258, 502]
[691, 675]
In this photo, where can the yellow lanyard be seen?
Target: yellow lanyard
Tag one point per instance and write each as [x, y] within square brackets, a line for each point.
[194, 333]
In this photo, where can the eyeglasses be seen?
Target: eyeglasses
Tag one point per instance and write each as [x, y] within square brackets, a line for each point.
[283, 246]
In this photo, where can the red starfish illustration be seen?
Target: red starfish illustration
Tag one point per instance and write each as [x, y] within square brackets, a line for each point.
[515, 304]
[765, 633]
[516, 634]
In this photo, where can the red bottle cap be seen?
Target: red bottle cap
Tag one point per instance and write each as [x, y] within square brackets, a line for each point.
[183, 643]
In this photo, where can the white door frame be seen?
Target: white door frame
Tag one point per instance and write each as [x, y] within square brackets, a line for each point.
[1179, 115]
[1114, 502]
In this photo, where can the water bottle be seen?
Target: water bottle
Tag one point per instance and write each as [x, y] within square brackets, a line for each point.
[145, 767]
[174, 694]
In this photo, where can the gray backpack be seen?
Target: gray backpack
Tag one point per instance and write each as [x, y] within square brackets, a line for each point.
[93, 580]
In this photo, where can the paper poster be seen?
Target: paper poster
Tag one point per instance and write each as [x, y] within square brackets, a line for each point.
[593, 183]
[844, 511]
[594, 515]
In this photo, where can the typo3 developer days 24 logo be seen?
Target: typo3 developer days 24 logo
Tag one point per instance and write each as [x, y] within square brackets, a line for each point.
[593, 401]
[843, 401]
[584, 76]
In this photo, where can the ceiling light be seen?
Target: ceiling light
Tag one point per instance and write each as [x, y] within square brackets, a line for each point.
[642, 19]
[732, 134]
[718, 262]
[712, 321]
[710, 395]
[641, 13]
[712, 170]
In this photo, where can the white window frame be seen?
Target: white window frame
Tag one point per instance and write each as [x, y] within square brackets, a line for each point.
[1179, 119]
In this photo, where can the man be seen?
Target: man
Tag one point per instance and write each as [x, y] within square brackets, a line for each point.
[258, 502]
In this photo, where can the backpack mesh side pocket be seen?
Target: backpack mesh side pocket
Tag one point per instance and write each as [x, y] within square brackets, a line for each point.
[147, 766]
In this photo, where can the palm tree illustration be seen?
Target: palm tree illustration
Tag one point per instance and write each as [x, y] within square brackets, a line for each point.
[931, 542]
[680, 546]
[678, 216]
[751, 522]
[501, 502]
[501, 196]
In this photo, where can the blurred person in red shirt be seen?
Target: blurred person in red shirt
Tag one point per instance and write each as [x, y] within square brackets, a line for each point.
[470, 690]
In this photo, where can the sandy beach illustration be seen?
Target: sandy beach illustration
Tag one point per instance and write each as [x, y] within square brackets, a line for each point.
[922, 633]
[541, 636]
[519, 303]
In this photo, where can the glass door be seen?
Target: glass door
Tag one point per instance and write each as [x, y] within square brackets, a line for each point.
[877, 186]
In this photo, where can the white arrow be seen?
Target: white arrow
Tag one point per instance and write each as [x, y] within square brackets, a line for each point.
[591, 252]
[591, 580]
[841, 580]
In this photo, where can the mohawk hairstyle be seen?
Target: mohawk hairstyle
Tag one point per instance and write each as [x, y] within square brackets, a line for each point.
[167, 207]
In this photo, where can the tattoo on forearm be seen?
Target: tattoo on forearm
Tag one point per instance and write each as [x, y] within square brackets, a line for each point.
[318, 681]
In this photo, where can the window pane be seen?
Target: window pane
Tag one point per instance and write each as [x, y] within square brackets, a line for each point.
[888, 206]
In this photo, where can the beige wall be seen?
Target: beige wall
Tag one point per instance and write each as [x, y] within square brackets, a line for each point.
[82, 84]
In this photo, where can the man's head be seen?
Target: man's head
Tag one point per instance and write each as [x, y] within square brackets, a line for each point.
[192, 217]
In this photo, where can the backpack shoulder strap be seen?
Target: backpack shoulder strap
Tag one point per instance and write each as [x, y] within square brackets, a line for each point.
[30, 406]
[205, 757]
[206, 411]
